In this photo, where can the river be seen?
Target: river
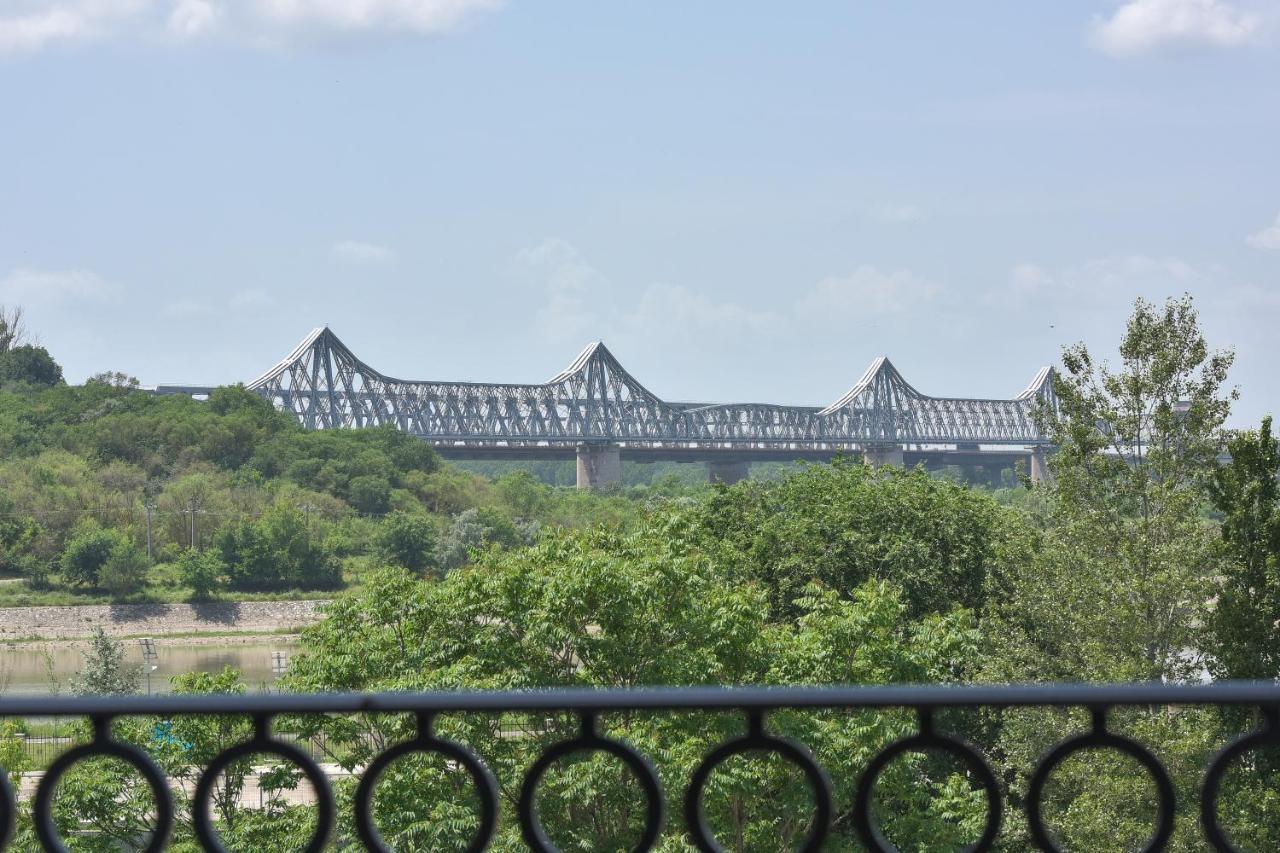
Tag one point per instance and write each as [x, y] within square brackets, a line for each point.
[27, 668]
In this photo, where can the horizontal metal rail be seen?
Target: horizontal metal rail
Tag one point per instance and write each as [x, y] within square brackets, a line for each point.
[755, 703]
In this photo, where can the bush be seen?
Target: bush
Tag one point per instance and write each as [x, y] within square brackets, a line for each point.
[408, 540]
[370, 494]
[203, 571]
[125, 569]
[86, 553]
[278, 551]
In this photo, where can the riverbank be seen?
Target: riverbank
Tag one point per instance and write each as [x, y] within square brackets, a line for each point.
[218, 618]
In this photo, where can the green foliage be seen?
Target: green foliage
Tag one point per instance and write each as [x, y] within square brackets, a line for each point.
[104, 670]
[847, 523]
[408, 540]
[278, 551]
[29, 365]
[1244, 620]
[87, 552]
[202, 571]
[125, 569]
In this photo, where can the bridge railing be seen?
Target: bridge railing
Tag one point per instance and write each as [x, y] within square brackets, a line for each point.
[755, 705]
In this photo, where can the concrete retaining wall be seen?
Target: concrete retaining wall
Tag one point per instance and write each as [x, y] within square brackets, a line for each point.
[58, 623]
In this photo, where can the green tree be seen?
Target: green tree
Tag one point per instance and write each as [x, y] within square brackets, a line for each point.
[1245, 617]
[86, 553]
[29, 365]
[624, 610]
[1119, 589]
[104, 670]
[202, 571]
[408, 540]
[125, 569]
[277, 551]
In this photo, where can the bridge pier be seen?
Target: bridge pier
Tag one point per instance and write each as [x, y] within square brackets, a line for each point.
[881, 455]
[721, 471]
[1039, 467]
[599, 466]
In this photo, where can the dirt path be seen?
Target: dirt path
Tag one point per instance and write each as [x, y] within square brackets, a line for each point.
[246, 618]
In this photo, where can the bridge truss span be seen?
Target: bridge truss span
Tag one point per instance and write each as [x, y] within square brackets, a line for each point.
[595, 400]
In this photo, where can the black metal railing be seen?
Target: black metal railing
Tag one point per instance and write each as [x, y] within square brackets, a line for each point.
[755, 704]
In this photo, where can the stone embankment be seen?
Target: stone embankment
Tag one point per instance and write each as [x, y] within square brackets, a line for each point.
[131, 620]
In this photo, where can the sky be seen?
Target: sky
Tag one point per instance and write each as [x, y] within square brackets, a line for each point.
[745, 201]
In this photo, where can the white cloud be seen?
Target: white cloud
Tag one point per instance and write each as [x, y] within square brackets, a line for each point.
[1140, 26]
[571, 285]
[27, 286]
[1268, 238]
[867, 290]
[679, 311]
[899, 214]
[186, 309]
[357, 252]
[1098, 282]
[251, 300]
[30, 25]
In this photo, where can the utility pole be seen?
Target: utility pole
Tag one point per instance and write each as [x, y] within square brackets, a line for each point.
[149, 507]
[193, 509]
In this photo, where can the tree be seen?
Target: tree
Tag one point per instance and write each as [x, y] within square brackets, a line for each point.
[86, 553]
[31, 365]
[125, 569]
[104, 670]
[1246, 616]
[277, 551]
[1119, 589]
[13, 329]
[408, 540]
[202, 571]
[597, 609]
[843, 524]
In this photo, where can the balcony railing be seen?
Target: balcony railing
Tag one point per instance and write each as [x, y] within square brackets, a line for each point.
[754, 704]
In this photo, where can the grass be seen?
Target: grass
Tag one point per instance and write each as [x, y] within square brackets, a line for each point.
[163, 587]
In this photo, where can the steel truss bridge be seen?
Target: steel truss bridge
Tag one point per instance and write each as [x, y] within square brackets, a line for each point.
[595, 411]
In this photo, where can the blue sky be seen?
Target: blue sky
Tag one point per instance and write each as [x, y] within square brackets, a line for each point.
[745, 201]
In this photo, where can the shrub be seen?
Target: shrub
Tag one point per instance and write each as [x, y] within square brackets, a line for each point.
[125, 569]
[86, 553]
[408, 540]
[203, 571]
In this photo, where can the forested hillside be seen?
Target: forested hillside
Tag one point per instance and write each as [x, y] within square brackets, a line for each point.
[237, 499]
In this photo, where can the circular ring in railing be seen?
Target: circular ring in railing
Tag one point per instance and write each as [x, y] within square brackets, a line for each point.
[870, 833]
[758, 741]
[1213, 783]
[8, 809]
[205, 831]
[486, 788]
[589, 741]
[47, 831]
[1099, 738]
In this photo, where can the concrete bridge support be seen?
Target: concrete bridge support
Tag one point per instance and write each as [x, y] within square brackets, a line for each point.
[1038, 470]
[599, 466]
[880, 455]
[719, 471]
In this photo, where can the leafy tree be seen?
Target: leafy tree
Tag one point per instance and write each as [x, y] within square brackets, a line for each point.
[1118, 591]
[847, 523]
[86, 553]
[30, 365]
[408, 540]
[104, 670]
[125, 569]
[278, 551]
[606, 609]
[370, 494]
[202, 571]
[475, 529]
[1247, 612]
